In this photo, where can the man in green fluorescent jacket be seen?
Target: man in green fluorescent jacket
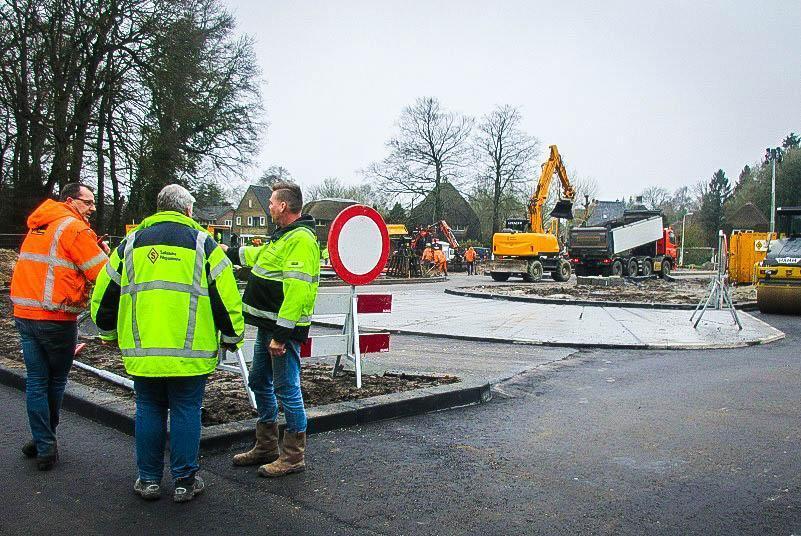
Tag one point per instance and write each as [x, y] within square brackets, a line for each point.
[166, 293]
[279, 300]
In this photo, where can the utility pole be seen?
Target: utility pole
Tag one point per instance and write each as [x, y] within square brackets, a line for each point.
[773, 155]
[683, 225]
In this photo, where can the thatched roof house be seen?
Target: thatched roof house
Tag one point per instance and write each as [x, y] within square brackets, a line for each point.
[749, 217]
[460, 216]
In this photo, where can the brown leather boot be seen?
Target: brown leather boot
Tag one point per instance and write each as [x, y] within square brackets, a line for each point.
[291, 458]
[266, 448]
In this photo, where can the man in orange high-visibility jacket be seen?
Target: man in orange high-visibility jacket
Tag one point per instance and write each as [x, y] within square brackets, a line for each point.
[470, 259]
[441, 261]
[59, 256]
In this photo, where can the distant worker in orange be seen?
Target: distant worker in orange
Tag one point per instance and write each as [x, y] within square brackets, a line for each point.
[428, 256]
[441, 261]
[470, 259]
[60, 255]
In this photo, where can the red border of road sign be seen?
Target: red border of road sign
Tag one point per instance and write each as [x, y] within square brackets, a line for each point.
[333, 244]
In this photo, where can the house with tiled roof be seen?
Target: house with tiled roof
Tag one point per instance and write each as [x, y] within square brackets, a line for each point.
[252, 215]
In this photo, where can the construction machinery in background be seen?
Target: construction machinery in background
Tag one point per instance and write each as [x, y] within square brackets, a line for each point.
[634, 244]
[435, 234]
[779, 274]
[524, 248]
[746, 250]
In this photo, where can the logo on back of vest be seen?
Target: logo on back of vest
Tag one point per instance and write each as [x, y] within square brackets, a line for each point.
[296, 264]
[153, 255]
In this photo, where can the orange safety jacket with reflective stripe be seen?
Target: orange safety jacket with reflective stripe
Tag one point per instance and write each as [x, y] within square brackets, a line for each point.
[58, 257]
[470, 255]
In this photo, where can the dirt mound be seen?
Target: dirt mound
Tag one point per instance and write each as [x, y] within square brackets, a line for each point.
[649, 291]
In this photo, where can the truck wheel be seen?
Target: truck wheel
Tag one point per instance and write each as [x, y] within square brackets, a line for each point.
[647, 267]
[666, 267]
[632, 268]
[499, 276]
[534, 272]
[562, 272]
[617, 268]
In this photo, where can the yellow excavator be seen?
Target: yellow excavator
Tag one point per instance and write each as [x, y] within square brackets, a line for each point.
[779, 274]
[528, 250]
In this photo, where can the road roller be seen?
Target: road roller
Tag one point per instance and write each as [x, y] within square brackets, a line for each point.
[779, 274]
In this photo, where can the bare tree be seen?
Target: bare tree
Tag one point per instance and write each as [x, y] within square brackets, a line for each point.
[655, 197]
[333, 187]
[273, 174]
[505, 154]
[431, 147]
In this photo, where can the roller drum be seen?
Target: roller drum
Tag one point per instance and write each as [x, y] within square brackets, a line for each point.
[779, 299]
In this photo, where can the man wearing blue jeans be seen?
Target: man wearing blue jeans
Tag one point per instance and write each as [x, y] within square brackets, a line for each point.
[279, 300]
[58, 258]
[167, 292]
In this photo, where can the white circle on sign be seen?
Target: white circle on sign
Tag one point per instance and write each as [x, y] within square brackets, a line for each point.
[360, 245]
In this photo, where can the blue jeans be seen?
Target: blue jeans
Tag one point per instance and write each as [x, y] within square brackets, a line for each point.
[274, 379]
[183, 397]
[48, 348]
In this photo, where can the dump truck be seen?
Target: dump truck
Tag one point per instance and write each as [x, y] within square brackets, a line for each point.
[779, 274]
[634, 244]
[524, 248]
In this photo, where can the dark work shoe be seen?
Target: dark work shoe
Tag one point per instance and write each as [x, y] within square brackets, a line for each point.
[149, 490]
[29, 449]
[187, 488]
[46, 462]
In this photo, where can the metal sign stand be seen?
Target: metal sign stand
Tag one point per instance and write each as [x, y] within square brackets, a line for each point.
[240, 368]
[350, 328]
[719, 290]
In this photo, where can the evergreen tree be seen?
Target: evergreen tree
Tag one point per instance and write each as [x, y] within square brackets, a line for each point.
[397, 214]
[791, 141]
[718, 192]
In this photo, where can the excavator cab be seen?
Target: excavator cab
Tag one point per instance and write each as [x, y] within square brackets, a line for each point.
[563, 210]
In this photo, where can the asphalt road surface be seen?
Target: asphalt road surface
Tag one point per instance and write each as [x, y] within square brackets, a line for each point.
[604, 442]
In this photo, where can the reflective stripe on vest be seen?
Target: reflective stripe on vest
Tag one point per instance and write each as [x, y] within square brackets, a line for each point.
[273, 316]
[194, 290]
[167, 352]
[52, 260]
[280, 276]
[215, 272]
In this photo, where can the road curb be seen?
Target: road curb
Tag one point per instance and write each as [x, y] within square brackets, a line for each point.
[744, 306]
[110, 411]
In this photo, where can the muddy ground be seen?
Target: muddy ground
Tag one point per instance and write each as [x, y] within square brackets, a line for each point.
[682, 291]
[225, 399]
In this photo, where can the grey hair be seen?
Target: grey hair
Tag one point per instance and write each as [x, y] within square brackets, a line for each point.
[174, 197]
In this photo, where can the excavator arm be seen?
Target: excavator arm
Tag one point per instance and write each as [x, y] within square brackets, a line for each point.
[564, 207]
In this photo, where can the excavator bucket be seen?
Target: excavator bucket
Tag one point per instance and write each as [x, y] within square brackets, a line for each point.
[563, 210]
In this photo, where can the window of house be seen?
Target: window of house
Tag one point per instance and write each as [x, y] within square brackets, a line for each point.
[250, 203]
[227, 223]
[239, 220]
[262, 222]
[250, 221]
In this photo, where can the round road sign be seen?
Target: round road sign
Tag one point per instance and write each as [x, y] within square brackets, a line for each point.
[358, 244]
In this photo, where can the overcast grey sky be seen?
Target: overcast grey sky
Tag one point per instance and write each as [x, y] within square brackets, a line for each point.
[634, 94]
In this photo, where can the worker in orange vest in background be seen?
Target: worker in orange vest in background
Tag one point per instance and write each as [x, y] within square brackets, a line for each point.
[470, 259]
[428, 257]
[441, 261]
[59, 256]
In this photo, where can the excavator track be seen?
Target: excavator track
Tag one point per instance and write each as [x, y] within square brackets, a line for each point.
[779, 298]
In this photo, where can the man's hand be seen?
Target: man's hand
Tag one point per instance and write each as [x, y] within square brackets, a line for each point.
[277, 349]
[224, 247]
[105, 248]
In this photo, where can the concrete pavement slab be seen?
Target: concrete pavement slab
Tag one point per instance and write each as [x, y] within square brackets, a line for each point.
[419, 311]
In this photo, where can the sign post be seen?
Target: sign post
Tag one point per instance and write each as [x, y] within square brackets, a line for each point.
[358, 245]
